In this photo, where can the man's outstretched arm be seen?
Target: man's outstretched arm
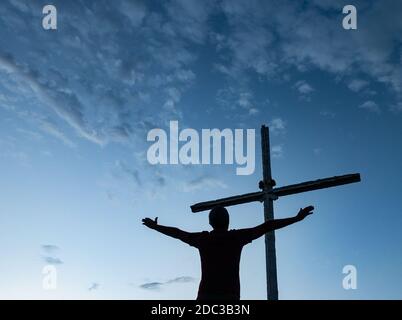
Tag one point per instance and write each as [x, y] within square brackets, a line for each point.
[169, 231]
[275, 224]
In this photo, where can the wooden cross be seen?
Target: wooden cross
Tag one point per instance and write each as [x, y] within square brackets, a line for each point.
[268, 194]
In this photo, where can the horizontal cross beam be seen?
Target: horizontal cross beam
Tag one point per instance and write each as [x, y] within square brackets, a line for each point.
[278, 192]
[316, 184]
[230, 201]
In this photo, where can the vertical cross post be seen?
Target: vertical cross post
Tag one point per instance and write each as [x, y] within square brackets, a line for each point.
[270, 251]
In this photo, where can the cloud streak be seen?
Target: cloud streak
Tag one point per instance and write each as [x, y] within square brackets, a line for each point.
[52, 260]
[159, 285]
[370, 106]
[203, 182]
[51, 250]
[94, 286]
[63, 102]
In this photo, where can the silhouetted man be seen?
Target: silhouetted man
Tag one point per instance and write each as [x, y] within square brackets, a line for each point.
[220, 250]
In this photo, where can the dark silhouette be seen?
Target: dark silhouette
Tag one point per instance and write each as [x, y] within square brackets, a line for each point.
[220, 250]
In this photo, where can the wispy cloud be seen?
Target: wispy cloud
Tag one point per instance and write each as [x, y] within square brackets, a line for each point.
[50, 128]
[396, 108]
[183, 279]
[159, 285]
[32, 135]
[328, 114]
[357, 85]
[63, 102]
[50, 248]
[50, 251]
[94, 286]
[370, 106]
[304, 88]
[132, 174]
[317, 151]
[245, 102]
[277, 125]
[52, 260]
[277, 151]
[203, 182]
[108, 97]
[10, 150]
[239, 99]
[152, 285]
[278, 44]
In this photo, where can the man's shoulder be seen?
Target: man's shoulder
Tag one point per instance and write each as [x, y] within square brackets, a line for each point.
[243, 235]
[200, 234]
[234, 231]
[196, 238]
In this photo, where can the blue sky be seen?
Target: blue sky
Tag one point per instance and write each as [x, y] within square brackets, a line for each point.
[76, 105]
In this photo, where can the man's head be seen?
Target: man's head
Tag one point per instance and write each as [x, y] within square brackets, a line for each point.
[219, 218]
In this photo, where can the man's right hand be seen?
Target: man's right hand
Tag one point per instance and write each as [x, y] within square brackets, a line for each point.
[150, 223]
[304, 212]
